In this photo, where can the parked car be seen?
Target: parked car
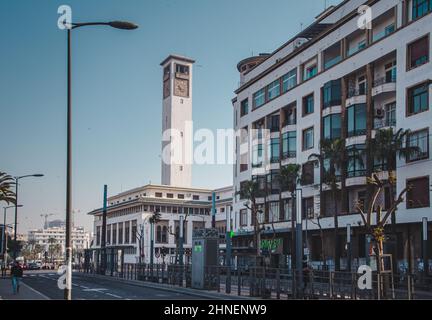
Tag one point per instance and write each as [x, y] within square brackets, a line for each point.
[34, 266]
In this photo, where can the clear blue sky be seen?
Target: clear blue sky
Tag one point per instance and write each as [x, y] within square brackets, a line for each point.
[117, 89]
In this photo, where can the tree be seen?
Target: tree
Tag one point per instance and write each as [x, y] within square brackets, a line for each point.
[332, 158]
[378, 230]
[250, 190]
[289, 177]
[6, 193]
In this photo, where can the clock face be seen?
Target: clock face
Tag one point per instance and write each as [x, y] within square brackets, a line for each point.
[181, 87]
[166, 89]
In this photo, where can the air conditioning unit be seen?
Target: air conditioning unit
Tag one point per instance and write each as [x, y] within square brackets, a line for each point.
[379, 113]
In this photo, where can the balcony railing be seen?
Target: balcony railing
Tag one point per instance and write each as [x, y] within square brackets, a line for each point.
[383, 80]
[354, 92]
[289, 122]
[354, 133]
[383, 123]
[289, 154]
[356, 173]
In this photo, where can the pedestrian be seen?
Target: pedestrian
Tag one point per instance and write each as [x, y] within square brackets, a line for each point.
[16, 274]
[306, 274]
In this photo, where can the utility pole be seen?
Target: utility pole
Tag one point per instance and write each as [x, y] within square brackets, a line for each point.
[425, 247]
[228, 250]
[349, 247]
[104, 227]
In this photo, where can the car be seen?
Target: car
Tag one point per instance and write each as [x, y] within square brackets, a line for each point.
[33, 266]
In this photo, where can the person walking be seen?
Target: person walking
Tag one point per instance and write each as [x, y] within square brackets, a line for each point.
[16, 274]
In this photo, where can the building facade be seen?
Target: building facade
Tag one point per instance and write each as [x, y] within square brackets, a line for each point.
[338, 79]
[55, 235]
[128, 228]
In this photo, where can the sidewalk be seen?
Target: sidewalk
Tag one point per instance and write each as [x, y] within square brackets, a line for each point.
[194, 292]
[26, 292]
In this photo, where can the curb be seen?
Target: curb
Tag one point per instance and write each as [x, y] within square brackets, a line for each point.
[189, 291]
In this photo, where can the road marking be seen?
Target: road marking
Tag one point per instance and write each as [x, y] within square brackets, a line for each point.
[84, 287]
[96, 289]
[35, 291]
[113, 295]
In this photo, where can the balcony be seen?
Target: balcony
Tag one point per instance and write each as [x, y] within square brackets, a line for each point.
[384, 123]
[289, 154]
[355, 92]
[385, 84]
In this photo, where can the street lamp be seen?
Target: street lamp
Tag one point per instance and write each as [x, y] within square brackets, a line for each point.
[114, 24]
[38, 175]
[4, 246]
[299, 239]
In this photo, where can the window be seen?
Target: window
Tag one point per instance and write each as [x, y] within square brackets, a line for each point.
[290, 115]
[310, 72]
[361, 45]
[362, 85]
[418, 52]
[180, 196]
[356, 163]
[332, 93]
[307, 176]
[195, 197]
[158, 194]
[273, 182]
[243, 218]
[308, 138]
[308, 104]
[289, 80]
[274, 123]
[108, 235]
[308, 208]
[114, 233]
[259, 98]
[244, 107]
[98, 235]
[261, 182]
[120, 233]
[390, 72]
[257, 155]
[419, 139]
[273, 90]
[182, 69]
[288, 209]
[420, 8]
[356, 120]
[289, 144]
[274, 150]
[332, 126]
[418, 99]
[134, 232]
[419, 195]
[127, 232]
[274, 211]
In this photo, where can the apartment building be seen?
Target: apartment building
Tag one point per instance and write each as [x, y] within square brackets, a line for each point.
[56, 235]
[129, 232]
[336, 80]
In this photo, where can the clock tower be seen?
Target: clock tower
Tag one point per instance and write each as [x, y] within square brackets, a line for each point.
[176, 115]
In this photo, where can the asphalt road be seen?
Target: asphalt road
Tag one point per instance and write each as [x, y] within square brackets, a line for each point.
[85, 288]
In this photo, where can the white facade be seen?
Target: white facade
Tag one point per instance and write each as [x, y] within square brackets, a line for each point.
[80, 238]
[177, 116]
[128, 215]
[353, 62]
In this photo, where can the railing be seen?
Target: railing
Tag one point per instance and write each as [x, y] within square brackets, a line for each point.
[289, 154]
[354, 92]
[283, 283]
[289, 122]
[359, 132]
[382, 123]
[383, 80]
[356, 173]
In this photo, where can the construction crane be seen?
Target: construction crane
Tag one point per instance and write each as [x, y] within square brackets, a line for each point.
[46, 219]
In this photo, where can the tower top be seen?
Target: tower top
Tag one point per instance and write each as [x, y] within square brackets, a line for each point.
[177, 57]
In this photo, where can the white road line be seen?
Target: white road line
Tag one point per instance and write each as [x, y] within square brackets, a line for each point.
[96, 289]
[35, 291]
[84, 287]
[113, 295]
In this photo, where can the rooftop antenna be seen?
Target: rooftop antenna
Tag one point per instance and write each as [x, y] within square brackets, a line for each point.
[301, 26]
[325, 5]
[46, 219]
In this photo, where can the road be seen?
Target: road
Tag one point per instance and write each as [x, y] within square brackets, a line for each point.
[85, 288]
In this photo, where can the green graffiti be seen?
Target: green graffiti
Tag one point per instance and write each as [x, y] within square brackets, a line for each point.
[271, 245]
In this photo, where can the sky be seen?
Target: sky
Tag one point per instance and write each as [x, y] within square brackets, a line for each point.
[117, 90]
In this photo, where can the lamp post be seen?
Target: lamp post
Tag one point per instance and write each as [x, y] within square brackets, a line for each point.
[181, 231]
[4, 240]
[228, 251]
[299, 239]
[349, 247]
[16, 207]
[70, 27]
[425, 247]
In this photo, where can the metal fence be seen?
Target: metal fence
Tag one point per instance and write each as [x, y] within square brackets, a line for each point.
[271, 283]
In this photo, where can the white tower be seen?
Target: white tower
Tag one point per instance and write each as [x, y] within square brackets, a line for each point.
[177, 114]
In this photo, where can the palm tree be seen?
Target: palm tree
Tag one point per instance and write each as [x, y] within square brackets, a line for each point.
[289, 177]
[6, 193]
[332, 158]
